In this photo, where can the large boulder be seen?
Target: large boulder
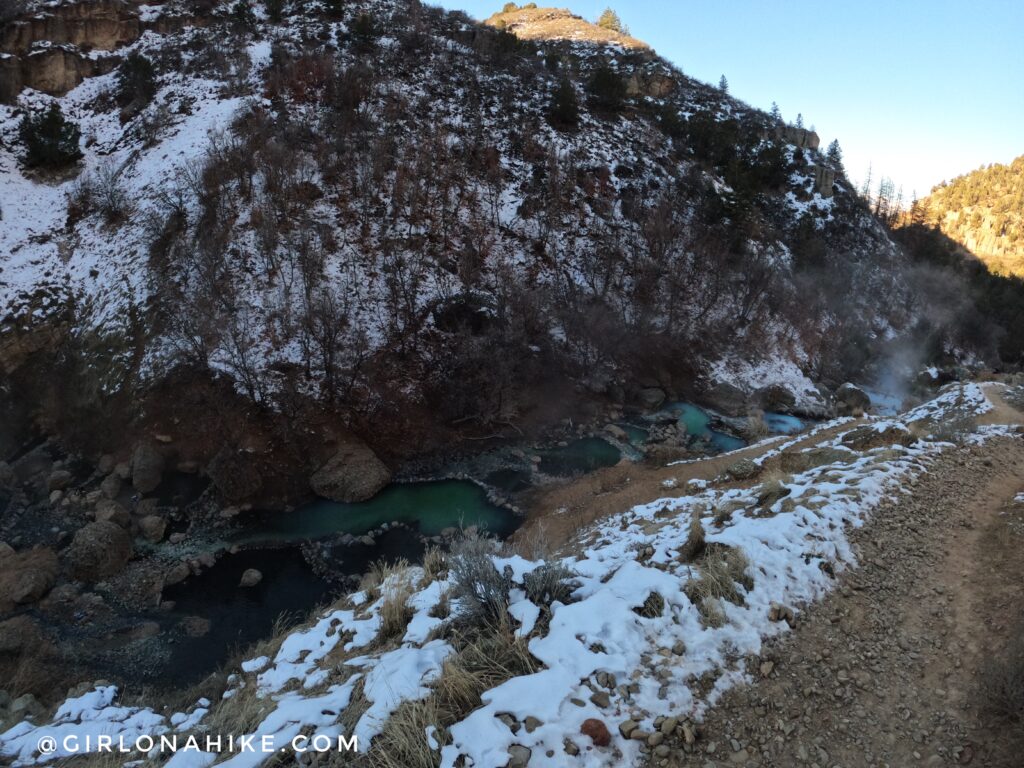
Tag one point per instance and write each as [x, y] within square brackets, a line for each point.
[353, 474]
[775, 397]
[234, 474]
[98, 550]
[727, 398]
[743, 469]
[147, 467]
[851, 399]
[26, 577]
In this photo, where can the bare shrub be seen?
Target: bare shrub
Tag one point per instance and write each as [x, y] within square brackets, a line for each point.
[548, 583]
[481, 589]
[110, 196]
[756, 428]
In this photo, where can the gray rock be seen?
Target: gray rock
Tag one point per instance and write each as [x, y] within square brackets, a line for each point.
[25, 706]
[617, 432]
[58, 480]
[235, 474]
[195, 626]
[108, 510]
[178, 573]
[26, 577]
[152, 528]
[851, 399]
[775, 397]
[111, 486]
[147, 467]
[7, 476]
[519, 756]
[353, 474]
[651, 397]
[98, 550]
[744, 469]
[250, 578]
[727, 398]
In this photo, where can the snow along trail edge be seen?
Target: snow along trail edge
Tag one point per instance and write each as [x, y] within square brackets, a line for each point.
[791, 548]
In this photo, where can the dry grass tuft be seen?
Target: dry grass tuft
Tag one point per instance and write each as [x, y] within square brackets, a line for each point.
[653, 606]
[435, 563]
[721, 569]
[485, 660]
[395, 611]
[695, 543]
[403, 742]
[724, 509]
[756, 429]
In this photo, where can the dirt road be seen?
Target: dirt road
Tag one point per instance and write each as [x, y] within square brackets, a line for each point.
[887, 670]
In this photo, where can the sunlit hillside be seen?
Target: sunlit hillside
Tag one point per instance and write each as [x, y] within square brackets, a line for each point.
[983, 211]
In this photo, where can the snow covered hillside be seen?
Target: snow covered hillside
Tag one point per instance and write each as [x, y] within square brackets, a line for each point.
[384, 197]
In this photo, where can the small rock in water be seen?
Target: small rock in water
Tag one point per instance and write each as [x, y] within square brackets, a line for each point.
[250, 578]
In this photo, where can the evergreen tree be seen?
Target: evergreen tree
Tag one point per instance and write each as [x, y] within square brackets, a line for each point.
[275, 9]
[610, 20]
[136, 80]
[723, 84]
[564, 110]
[835, 155]
[776, 114]
[607, 90]
[50, 140]
[799, 120]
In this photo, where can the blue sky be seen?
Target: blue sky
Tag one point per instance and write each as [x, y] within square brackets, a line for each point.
[923, 90]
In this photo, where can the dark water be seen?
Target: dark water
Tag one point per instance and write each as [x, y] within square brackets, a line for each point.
[178, 489]
[238, 616]
[509, 480]
[428, 507]
[578, 457]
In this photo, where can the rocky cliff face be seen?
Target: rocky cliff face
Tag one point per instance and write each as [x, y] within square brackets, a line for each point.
[55, 48]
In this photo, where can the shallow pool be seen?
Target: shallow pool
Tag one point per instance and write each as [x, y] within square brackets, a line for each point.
[429, 507]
